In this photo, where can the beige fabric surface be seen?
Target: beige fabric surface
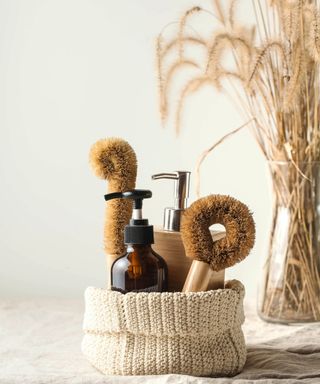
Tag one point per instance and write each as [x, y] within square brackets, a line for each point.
[40, 344]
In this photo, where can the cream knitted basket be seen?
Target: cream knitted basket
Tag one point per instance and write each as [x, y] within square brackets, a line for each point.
[197, 333]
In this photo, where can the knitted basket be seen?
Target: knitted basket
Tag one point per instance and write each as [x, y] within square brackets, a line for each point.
[196, 333]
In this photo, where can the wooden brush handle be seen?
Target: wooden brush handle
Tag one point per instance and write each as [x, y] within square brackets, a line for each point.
[114, 160]
[169, 245]
[202, 278]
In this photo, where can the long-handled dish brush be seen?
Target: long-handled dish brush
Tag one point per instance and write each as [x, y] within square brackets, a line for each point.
[114, 160]
[215, 256]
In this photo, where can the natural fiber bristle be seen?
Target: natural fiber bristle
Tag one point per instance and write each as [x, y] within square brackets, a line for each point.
[114, 159]
[218, 209]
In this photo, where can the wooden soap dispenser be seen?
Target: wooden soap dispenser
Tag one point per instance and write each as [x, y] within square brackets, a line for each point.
[168, 238]
[168, 241]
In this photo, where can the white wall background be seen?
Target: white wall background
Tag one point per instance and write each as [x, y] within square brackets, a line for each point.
[75, 71]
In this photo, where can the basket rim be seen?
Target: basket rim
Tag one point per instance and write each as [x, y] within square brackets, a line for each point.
[230, 285]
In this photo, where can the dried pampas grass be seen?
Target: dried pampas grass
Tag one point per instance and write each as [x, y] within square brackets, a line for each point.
[272, 74]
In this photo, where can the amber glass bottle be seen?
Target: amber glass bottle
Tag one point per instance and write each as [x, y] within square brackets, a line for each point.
[141, 269]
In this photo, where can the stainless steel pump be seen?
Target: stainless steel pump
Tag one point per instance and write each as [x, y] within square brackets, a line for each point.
[172, 215]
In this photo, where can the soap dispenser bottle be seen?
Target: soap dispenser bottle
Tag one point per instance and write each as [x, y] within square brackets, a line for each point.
[141, 269]
[168, 240]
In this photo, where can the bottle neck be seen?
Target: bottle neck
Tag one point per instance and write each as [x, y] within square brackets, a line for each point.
[138, 247]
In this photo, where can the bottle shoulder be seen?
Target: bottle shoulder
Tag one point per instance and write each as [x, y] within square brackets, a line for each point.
[141, 269]
[159, 229]
[158, 257]
[171, 236]
[121, 261]
[142, 253]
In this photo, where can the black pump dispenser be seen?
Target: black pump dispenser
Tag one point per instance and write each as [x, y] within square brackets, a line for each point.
[138, 231]
[141, 269]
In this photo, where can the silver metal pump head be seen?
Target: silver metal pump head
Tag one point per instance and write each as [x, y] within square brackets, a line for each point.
[172, 215]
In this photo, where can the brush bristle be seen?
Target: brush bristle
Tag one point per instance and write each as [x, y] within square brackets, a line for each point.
[114, 160]
[218, 209]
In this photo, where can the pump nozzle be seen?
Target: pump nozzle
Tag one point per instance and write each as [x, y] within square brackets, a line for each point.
[172, 215]
[137, 195]
[138, 231]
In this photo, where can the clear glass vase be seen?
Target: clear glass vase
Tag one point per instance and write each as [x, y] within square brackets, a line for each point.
[290, 288]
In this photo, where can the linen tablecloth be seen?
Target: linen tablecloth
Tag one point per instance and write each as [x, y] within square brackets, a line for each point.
[40, 344]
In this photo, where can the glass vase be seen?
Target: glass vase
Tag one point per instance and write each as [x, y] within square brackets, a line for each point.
[290, 288]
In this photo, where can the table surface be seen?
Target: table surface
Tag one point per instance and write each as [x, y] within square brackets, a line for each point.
[40, 344]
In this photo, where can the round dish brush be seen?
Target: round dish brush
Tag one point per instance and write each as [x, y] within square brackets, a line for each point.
[215, 256]
[114, 160]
